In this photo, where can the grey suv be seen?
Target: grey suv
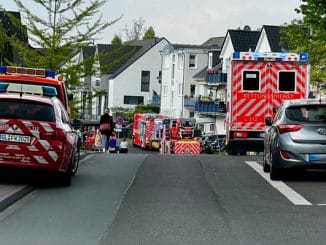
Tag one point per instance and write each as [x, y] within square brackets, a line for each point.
[296, 138]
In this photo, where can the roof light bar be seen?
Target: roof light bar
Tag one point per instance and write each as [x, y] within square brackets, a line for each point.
[270, 56]
[35, 72]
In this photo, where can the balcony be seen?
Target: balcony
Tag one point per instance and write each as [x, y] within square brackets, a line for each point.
[213, 107]
[216, 78]
[189, 101]
[156, 100]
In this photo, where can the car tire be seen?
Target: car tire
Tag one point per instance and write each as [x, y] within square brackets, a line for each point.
[274, 173]
[74, 162]
[65, 179]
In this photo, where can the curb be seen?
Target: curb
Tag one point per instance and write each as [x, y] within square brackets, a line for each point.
[9, 194]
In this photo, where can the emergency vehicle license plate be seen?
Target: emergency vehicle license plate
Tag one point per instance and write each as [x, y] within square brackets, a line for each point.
[15, 138]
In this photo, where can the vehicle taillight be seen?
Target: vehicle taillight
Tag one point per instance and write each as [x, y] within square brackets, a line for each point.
[240, 134]
[47, 135]
[286, 128]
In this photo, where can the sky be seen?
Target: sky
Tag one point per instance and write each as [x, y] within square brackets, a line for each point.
[188, 21]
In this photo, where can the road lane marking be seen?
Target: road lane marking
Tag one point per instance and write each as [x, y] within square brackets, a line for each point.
[284, 189]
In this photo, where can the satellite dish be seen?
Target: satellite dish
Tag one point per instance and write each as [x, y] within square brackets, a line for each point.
[247, 28]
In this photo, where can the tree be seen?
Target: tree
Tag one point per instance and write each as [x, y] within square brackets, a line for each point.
[70, 24]
[135, 32]
[116, 40]
[149, 33]
[309, 35]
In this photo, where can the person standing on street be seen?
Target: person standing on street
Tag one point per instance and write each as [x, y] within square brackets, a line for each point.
[106, 118]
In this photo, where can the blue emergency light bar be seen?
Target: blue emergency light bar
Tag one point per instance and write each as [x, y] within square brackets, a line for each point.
[270, 56]
[34, 72]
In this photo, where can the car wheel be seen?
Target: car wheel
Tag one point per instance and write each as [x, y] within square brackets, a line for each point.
[266, 167]
[275, 173]
[75, 162]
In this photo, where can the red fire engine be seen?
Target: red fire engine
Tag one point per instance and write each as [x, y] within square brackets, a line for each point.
[180, 137]
[147, 130]
[257, 84]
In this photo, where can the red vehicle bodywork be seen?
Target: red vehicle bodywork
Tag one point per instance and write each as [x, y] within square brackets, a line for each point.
[257, 85]
[180, 137]
[37, 144]
[90, 140]
[147, 130]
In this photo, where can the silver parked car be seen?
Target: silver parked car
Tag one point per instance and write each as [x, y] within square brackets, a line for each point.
[296, 138]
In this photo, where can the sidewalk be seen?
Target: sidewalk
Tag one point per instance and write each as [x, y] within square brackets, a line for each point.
[10, 193]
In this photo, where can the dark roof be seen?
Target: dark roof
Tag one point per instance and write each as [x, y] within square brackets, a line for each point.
[273, 37]
[243, 40]
[216, 42]
[119, 57]
[190, 46]
[88, 51]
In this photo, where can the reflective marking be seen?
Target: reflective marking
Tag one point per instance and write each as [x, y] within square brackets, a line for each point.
[284, 189]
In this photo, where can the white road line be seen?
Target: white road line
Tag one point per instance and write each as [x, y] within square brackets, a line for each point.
[284, 189]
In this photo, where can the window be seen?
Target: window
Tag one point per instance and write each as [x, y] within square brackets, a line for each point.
[180, 60]
[250, 80]
[145, 78]
[286, 81]
[192, 90]
[27, 111]
[211, 127]
[180, 91]
[165, 90]
[133, 100]
[210, 60]
[192, 61]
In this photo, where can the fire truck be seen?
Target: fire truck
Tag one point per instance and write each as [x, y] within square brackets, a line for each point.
[180, 137]
[147, 130]
[257, 84]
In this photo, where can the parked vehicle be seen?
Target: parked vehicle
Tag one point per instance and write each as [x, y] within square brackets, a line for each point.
[296, 138]
[257, 84]
[36, 133]
[213, 143]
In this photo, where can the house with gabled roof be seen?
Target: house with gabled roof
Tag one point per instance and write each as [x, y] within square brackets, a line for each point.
[238, 40]
[269, 39]
[128, 73]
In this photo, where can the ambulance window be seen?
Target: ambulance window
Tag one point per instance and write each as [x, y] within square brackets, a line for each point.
[250, 80]
[286, 81]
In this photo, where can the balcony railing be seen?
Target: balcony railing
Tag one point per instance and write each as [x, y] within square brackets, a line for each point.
[210, 107]
[189, 101]
[213, 77]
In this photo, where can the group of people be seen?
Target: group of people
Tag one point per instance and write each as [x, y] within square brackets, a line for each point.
[105, 139]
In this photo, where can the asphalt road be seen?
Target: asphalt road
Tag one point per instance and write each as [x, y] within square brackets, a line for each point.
[171, 199]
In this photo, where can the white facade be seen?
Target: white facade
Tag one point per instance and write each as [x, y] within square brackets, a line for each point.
[179, 64]
[128, 82]
[263, 44]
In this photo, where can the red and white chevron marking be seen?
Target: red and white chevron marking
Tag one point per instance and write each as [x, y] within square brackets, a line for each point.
[249, 109]
[187, 147]
[40, 151]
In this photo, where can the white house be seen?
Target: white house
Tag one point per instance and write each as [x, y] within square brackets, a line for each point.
[126, 75]
[179, 65]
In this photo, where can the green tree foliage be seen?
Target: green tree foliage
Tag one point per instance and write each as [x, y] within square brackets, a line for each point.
[70, 24]
[149, 33]
[309, 35]
[147, 109]
[116, 40]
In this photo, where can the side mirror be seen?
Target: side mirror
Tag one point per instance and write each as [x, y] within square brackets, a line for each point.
[268, 121]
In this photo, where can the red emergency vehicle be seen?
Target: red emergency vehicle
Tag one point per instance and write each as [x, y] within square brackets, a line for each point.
[180, 137]
[33, 81]
[257, 84]
[147, 130]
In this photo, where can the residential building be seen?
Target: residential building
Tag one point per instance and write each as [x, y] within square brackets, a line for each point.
[179, 65]
[125, 76]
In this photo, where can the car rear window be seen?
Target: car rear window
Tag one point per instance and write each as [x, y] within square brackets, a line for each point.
[308, 113]
[27, 87]
[26, 111]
